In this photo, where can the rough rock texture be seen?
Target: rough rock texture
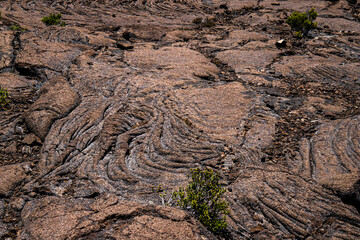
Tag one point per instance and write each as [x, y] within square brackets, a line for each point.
[130, 95]
[332, 159]
[56, 100]
[247, 61]
[18, 87]
[10, 176]
[104, 218]
[6, 49]
[278, 202]
[41, 57]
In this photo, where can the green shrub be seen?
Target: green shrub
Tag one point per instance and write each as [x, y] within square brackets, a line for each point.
[302, 23]
[16, 27]
[203, 196]
[53, 19]
[3, 98]
[298, 34]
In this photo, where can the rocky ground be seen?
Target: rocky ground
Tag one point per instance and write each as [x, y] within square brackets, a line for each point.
[130, 95]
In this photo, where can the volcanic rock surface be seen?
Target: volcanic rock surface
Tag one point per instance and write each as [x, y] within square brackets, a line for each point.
[130, 95]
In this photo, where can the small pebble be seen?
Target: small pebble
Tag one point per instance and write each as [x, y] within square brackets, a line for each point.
[32, 194]
[17, 204]
[281, 43]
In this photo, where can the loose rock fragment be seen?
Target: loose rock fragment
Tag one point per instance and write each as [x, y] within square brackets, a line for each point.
[281, 43]
[10, 176]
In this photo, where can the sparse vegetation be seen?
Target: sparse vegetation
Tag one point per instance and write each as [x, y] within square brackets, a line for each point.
[165, 197]
[302, 23]
[53, 19]
[298, 34]
[3, 98]
[16, 27]
[203, 196]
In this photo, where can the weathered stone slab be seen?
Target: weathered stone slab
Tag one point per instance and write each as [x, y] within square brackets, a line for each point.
[331, 157]
[244, 61]
[18, 87]
[69, 218]
[39, 54]
[179, 62]
[271, 201]
[56, 100]
[10, 176]
[6, 52]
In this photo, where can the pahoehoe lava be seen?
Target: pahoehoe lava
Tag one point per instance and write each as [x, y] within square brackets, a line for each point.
[131, 95]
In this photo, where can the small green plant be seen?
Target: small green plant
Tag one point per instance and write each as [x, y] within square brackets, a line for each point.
[298, 34]
[165, 197]
[53, 19]
[302, 23]
[203, 196]
[16, 27]
[3, 98]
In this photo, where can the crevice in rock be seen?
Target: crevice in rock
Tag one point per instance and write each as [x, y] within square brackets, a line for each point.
[16, 44]
[352, 200]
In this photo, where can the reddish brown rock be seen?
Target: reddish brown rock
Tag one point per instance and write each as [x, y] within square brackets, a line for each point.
[6, 49]
[318, 69]
[178, 36]
[31, 139]
[180, 63]
[135, 93]
[241, 37]
[20, 90]
[332, 157]
[247, 61]
[19, 87]
[42, 57]
[68, 218]
[278, 199]
[10, 177]
[339, 24]
[56, 100]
